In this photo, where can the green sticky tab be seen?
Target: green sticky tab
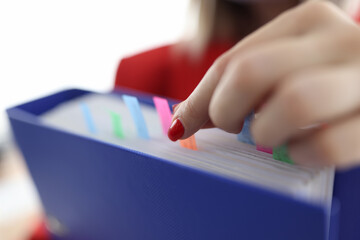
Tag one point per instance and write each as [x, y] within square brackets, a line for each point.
[116, 123]
[281, 153]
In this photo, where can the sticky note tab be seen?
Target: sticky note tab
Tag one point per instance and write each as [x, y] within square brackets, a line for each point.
[88, 118]
[245, 135]
[163, 109]
[189, 143]
[281, 153]
[264, 149]
[133, 105]
[117, 125]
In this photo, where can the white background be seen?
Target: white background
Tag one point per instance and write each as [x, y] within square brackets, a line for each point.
[49, 45]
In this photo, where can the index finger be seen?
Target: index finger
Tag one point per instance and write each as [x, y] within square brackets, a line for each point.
[192, 114]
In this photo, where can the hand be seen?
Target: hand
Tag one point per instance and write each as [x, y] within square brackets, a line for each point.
[305, 67]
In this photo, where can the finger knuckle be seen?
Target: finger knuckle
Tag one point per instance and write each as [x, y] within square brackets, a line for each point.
[305, 11]
[319, 8]
[296, 109]
[348, 39]
[309, 14]
[295, 19]
[245, 73]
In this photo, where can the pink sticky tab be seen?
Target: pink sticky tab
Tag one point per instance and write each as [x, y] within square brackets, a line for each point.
[189, 143]
[264, 149]
[162, 107]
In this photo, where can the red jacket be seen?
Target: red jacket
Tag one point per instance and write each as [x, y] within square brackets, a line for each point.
[161, 72]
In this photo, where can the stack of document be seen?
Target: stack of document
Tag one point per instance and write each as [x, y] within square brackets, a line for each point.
[218, 152]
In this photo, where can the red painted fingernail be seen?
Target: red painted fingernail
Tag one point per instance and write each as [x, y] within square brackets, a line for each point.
[176, 130]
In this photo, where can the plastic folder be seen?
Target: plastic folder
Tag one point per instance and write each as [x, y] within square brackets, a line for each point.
[97, 190]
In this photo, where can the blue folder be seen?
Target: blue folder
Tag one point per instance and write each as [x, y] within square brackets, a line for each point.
[97, 190]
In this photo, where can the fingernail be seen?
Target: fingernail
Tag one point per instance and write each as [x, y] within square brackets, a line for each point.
[176, 130]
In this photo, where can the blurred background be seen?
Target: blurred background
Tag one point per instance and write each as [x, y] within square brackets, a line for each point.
[49, 45]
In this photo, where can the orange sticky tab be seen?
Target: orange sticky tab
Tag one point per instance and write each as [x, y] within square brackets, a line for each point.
[189, 143]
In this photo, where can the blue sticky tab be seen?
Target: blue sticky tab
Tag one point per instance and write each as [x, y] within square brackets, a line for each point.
[245, 135]
[133, 105]
[88, 118]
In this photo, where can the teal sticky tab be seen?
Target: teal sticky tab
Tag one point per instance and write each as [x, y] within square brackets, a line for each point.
[88, 118]
[281, 153]
[133, 105]
[245, 134]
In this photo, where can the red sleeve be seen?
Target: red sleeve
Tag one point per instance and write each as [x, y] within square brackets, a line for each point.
[146, 71]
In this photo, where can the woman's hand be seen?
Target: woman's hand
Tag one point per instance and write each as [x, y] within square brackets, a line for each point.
[305, 67]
